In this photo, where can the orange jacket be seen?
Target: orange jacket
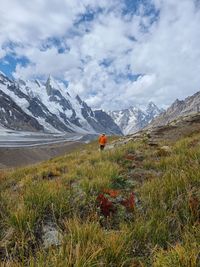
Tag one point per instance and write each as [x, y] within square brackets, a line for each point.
[102, 140]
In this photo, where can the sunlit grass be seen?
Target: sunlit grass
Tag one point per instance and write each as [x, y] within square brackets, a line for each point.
[164, 229]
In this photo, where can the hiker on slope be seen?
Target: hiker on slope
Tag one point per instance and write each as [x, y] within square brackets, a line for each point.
[102, 141]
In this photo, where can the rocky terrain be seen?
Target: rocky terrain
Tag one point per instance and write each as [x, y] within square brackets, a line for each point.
[181, 127]
[191, 105]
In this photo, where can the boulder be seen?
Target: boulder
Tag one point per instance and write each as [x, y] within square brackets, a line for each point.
[51, 235]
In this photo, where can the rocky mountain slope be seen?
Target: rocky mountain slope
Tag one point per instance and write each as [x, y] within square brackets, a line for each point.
[32, 106]
[189, 106]
[134, 119]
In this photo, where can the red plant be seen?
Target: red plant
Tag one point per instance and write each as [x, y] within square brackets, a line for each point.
[130, 157]
[112, 193]
[106, 206]
[129, 202]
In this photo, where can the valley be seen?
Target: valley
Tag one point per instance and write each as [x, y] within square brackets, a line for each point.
[25, 148]
[32, 139]
[21, 155]
[100, 133]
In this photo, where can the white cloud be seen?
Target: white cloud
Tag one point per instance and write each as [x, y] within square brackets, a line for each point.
[172, 51]
[167, 54]
[31, 21]
[2, 53]
[46, 62]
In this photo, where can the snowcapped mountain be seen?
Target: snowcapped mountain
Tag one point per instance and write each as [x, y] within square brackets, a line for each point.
[134, 119]
[33, 106]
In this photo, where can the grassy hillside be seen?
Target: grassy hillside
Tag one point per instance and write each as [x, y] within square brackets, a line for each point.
[134, 205]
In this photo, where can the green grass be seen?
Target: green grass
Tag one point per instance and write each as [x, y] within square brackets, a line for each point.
[163, 230]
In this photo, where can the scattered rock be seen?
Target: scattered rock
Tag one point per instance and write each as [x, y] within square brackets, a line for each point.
[166, 149]
[138, 204]
[51, 236]
[108, 147]
[136, 156]
[134, 165]
[139, 156]
[120, 142]
[18, 186]
[136, 135]
[153, 143]
[49, 176]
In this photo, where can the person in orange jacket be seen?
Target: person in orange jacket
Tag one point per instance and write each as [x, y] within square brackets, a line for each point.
[102, 141]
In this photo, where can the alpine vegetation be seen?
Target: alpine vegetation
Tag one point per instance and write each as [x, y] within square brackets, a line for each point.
[134, 204]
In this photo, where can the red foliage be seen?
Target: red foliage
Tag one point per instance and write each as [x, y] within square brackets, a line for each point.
[130, 157]
[106, 205]
[111, 192]
[129, 202]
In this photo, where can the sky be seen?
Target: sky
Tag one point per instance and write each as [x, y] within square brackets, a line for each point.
[114, 54]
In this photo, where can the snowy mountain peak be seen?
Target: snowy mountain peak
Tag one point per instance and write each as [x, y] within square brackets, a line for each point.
[51, 85]
[134, 109]
[151, 105]
[38, 83]
[3, 78]
[21, 82]
[152, 110]
[2, 74]
[79, 99]
[31, 105]
[133, 119]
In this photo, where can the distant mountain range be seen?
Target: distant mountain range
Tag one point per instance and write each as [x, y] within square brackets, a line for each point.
[33, 106]
[134, 119]
[191, 105]
[48, 107]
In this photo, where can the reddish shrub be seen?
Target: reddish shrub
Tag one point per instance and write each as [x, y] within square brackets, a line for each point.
[129, 202]
[112, 193]
[130, 157]
[106, 206]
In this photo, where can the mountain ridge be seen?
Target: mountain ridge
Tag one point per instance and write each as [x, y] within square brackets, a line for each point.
[48, 107]
[190, 105]
[133, 119]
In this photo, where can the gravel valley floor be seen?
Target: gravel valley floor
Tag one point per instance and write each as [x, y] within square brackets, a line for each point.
[22, 156]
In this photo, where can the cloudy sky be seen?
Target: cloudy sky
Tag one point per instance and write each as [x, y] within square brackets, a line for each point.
[114, 53]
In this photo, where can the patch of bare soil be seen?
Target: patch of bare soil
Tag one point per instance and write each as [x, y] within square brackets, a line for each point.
[19, 157]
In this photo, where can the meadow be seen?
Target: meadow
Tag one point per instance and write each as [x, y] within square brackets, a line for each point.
[133, 205]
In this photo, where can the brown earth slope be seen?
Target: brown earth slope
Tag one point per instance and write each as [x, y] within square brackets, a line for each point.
[18, 157]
